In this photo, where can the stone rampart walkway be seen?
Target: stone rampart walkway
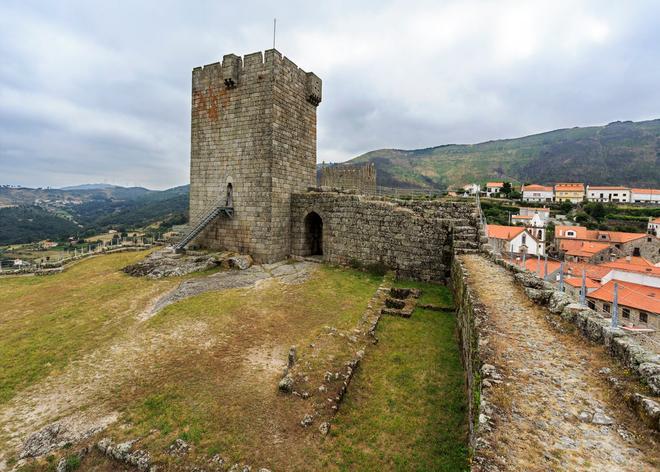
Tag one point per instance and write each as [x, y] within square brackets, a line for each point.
[552, 407]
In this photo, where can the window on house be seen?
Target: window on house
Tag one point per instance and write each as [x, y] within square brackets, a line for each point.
[591, 304]
[636, 252]
[606, 307]
[625, 313]
[643, 317]
[524, 239]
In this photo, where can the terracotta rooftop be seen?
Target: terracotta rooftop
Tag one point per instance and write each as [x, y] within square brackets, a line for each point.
[596, 235]
[504, 232]
[495, 184]
[531, 264]
[536, 187]
[593, 271]
[651, 191]
[581, 248]
[577, 282]
[522, 217]
[640, 297]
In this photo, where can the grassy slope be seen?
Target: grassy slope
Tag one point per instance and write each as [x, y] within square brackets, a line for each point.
[619, 153]
[405, 409]
[45, 322]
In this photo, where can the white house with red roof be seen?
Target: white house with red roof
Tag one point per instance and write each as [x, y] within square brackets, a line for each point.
[645, 195]
[654, 226]
[516, 239]
[537, 193]
[615, 194]
[493, 189]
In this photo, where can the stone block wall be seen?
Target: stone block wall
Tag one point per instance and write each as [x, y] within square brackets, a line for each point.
[254, 127]
[414, 238]
[361, 178]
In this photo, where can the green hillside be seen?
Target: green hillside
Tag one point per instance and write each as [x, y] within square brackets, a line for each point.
[619, 153]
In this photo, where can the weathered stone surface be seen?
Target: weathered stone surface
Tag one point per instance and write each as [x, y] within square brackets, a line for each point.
[558, 301]
[241, 262]
[43, 441]
[123, 452]
[166, 263]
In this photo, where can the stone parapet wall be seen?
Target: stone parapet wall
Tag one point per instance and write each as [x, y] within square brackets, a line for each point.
[415, 239]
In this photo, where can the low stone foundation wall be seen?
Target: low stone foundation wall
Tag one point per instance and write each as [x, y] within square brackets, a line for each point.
[619, 344]
[414, 238]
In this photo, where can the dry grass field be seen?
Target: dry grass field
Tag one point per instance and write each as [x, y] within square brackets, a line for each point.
[74, 349]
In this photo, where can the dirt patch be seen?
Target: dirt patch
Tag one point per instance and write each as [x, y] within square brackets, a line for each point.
[555, 410]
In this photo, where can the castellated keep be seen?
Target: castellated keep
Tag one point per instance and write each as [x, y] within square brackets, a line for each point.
[253, 181]
[253, 144]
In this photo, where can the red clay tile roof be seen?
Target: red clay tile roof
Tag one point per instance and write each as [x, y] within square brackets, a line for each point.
[504, 232]
[531, 264]
[577, 282]
[593, 271]
[536, 187]
[581, 248]
[495, 184]
[640, 297]
[650, 191]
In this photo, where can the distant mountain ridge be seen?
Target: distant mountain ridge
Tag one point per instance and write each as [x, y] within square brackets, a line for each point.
[620, 153]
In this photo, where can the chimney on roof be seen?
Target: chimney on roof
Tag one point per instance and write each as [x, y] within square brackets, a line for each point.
[628, 258]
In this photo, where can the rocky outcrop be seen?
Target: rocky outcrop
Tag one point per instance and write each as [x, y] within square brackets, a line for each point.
[167, 263]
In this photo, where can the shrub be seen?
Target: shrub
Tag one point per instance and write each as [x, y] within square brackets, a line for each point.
[377, 268]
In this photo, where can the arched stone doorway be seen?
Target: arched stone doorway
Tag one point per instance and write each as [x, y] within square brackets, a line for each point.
[313, 234]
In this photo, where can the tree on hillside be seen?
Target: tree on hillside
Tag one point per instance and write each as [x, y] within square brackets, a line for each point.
[507, 188]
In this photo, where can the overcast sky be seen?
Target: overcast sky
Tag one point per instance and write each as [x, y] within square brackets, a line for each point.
[99, 91]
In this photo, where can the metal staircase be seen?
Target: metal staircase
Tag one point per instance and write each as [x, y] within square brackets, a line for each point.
[207, 216]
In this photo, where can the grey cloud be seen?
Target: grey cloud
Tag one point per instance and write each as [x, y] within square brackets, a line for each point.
[99, 91]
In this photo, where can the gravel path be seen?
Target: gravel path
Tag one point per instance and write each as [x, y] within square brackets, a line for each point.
[556, 410]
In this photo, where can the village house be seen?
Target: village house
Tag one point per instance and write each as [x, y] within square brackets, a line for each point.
[627, 244]
[603, 194]
[654, 226]
[645, 195]
[573, 286]
[638, 305]
[585, 251]
[569, 192]
[537, 193]
[493, 189]
[547, 269]
[514, 239]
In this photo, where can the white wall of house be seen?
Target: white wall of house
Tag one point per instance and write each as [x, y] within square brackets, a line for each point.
[543, 215]
[538, 196]
[634, 277]
[492, 191]
[654, 228]
[608, 195]
[525, 239]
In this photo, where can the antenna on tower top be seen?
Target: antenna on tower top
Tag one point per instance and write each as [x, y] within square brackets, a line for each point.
[274, 30]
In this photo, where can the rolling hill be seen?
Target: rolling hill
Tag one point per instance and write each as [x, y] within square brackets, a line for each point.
[625, 153]
[33, 214]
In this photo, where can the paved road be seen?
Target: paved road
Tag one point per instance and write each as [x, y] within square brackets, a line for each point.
[559, 411]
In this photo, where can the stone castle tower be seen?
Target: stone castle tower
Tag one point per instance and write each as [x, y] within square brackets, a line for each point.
[253, 144]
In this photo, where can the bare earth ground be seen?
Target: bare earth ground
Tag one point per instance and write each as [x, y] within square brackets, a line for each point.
[550, 379]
